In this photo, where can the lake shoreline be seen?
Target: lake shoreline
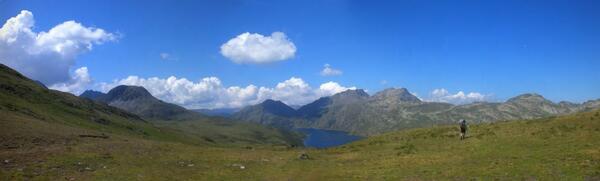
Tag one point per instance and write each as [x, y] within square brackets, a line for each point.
[322, 138]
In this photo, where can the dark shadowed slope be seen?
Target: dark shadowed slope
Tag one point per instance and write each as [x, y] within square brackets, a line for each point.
[269, 112]
[91, 94]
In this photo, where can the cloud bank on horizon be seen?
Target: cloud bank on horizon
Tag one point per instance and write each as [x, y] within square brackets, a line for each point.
[50, 58]
[209, 92]
[442, 95]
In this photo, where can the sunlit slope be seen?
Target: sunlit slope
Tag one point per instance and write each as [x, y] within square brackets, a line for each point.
[566, 147]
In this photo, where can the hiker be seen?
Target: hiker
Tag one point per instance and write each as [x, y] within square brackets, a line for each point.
[463, 129]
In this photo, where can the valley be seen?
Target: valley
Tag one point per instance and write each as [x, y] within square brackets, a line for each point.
[268, 90]
[50, 135]
[560, 148]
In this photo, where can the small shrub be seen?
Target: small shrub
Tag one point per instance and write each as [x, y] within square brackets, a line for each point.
[376, 142]
[406, 149]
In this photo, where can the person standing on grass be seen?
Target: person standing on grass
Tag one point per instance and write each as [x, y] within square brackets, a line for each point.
[463, 129]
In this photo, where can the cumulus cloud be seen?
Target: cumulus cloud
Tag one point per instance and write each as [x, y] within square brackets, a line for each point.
[330, 88]
[78, 83]
[167, 56]
[209, 92]
[48, 56]
[442, 95]
[254, 48]
[328, 71]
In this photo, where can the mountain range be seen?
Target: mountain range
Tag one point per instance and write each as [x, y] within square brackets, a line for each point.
[31, 113]
[357, 112]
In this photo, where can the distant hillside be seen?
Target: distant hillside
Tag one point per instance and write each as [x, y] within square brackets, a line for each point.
[29, 111]
[139, 101]
[223, 112]
[31, 115]
[269, 112]
[395, 109]
[91, 94]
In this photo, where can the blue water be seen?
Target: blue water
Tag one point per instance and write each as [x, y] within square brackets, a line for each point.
[320, 138]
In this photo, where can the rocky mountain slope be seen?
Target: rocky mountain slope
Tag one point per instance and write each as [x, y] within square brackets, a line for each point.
[394, 109]
[269, 112]
[139, 101]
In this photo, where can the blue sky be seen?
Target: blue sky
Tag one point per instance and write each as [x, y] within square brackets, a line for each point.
[498, 49]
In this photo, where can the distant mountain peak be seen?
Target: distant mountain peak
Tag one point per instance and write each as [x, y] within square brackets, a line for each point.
[271, 101]
[277, 107]
[138, 100]
[352, 93]
[127, 92]
[396, 94]
[528, 97]
[92, 94]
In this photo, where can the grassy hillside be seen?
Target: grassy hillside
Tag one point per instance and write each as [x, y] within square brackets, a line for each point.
[559, 148]
[35, 121]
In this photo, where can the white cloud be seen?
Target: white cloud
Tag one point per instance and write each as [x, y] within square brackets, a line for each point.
[48, 56]
[328, 71]
[78, 83]
[383, 82]
[330, 88]
[442, 95]
[254, 48]
[167, 56]
[209, 92]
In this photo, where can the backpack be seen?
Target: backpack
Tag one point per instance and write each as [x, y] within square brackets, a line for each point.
[463, 124]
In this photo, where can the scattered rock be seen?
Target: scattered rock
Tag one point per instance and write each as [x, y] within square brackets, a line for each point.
[6, 161]
[103, 136]
[190, 165]
[100, 120]
[304, 156]
[238, 165]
